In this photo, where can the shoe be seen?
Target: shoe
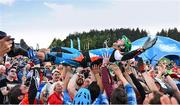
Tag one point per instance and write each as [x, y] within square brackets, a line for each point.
[24, 45]
[17, 50]
[149, 43]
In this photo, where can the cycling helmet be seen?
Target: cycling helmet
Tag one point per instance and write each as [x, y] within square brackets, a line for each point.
[82, 97]
[127, 43]
[124, 43]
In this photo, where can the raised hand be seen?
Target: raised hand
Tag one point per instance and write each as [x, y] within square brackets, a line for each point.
[165, 100]
[106, 57]
[141, 65]
[95, 69]
[116, 69]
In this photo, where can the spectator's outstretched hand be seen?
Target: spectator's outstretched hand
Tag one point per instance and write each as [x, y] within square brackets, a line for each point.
[165, 100]
[106, 57]
[141, 65]
[116, 69]
[128, 68]
[6, 44]
[95, 69]
[118, 73]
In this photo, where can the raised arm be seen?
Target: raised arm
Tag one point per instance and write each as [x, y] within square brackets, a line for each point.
[128, 88]
[95, 69]
[149, 80]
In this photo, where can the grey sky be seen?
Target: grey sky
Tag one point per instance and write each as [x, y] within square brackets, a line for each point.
[56, 19]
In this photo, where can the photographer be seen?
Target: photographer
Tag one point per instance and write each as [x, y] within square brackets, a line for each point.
[5, 43]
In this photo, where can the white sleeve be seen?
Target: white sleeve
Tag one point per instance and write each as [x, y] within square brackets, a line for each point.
[117, 55]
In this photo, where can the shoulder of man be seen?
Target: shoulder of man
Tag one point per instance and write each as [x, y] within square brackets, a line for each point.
[3, 82]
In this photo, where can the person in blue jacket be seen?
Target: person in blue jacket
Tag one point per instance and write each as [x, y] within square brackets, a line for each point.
[120, 51]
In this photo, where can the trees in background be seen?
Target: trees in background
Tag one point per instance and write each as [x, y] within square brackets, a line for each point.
[172, 33]
[95, 38]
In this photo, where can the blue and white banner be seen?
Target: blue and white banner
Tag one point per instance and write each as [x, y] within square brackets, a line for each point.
[72, 46]
[79, 43]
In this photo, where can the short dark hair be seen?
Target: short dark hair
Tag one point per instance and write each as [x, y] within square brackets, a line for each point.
[96, 62]
[14, 93]
[2, 34]
[10, 69]
[119, 96]
[94, 90]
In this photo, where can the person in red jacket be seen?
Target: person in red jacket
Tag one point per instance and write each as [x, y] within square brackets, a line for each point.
[56, 97]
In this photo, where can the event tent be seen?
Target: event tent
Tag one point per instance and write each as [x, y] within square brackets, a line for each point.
[164, 47]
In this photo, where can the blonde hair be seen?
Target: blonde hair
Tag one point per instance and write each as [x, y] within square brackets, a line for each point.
[54, 86]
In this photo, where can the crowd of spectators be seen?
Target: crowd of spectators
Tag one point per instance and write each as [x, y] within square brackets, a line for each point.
[121, 82]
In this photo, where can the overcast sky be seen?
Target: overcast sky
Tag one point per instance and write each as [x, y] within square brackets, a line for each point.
[40, 21]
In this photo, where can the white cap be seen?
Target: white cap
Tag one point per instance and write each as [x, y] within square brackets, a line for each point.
[55, 70]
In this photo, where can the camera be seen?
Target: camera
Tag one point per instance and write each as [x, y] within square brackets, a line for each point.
[3, 34]
[16, 48]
